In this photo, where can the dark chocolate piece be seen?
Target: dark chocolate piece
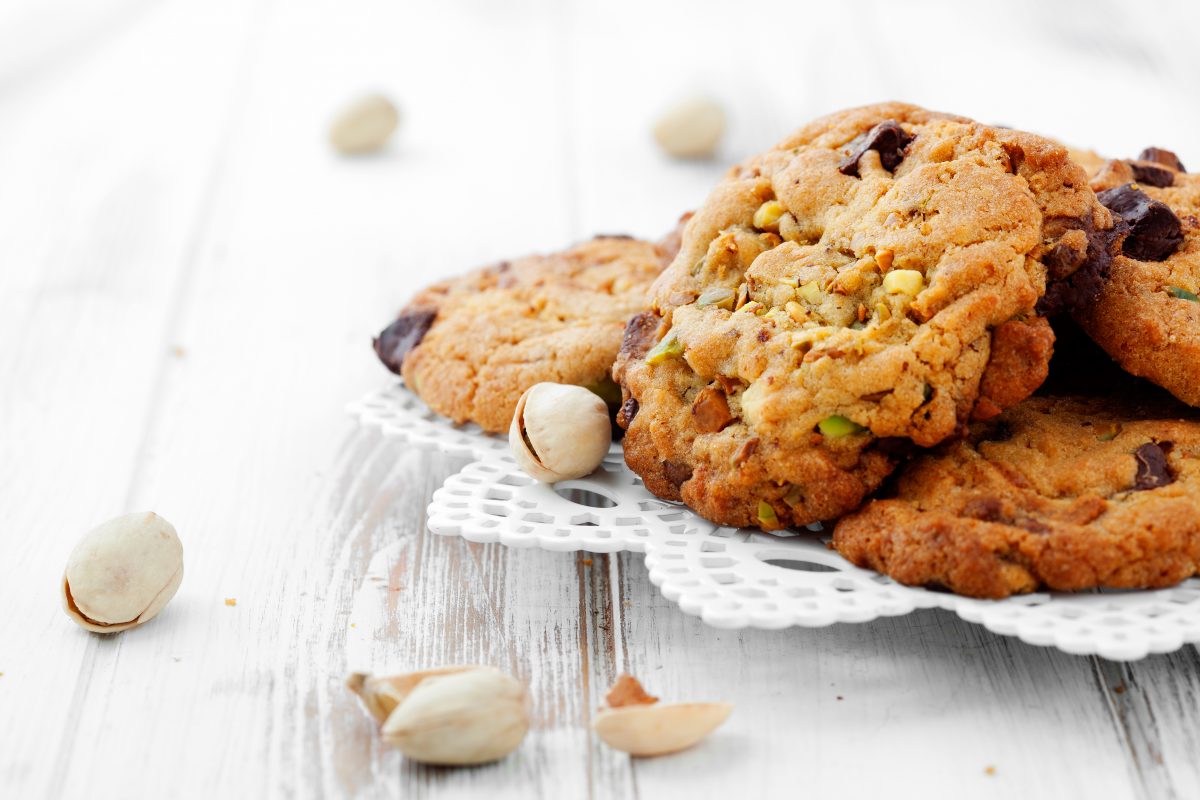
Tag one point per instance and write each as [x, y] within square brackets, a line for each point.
[397, 339]
[1154, 230]
[1160, 156]
[1076, 277]
[1152, 469]
[1152, 174]
[887, 138]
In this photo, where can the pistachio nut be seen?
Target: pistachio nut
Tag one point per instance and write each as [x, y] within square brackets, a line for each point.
[122, 573]
[380, 696]
[692, 129]
[364, 126]
[559, 432]
[451, 715]
[636, 723]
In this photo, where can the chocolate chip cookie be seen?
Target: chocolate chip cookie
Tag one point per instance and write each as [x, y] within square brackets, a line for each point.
[1147, 316]
[1065, 493]
[470, 346]
[839, 298]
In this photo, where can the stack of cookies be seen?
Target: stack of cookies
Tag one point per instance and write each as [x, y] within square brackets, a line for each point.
[858, 327]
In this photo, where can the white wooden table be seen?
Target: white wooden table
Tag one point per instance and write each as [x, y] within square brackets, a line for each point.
[189, 279]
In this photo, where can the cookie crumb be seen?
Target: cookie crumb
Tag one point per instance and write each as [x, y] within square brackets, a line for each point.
[989, 770]
[1119, 688]
[587, 562]
[231, 601]
[839, 697]
[178, 351]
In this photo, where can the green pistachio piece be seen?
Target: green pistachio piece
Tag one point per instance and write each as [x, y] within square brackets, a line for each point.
[607, 390]
[1183, 294]
[1110, 434]
[669, 347]
[720, 296]
[766, 514]
[837, 426]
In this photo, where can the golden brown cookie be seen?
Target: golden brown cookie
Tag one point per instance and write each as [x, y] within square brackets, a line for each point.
[840, 297]
[470, 346]
[1147, 316]
[1066, 493]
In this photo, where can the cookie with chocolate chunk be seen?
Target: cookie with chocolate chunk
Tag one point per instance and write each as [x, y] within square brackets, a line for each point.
[471, 346]
[839, 298]
[1062, 493]
[1147, 315]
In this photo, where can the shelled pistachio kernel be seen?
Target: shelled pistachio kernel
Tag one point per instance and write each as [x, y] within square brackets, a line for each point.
[811, 292]
[766, 218]
[904, 281]
[836, 426]
[669, 347]
[1183, 294]
[719, 296]
[766, 514]
[122, 573]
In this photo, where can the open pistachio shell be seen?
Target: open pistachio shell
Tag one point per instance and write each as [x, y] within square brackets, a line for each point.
[559, 432]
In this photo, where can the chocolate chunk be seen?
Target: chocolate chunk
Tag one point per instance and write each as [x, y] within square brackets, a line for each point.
[1154, 230]
[887, 138]
[1078, 274]
[1152, 174]
[397, 339]
[711, 410]
[677, 473]
[641, 333]
[1152, 469]
[629, 410]
[1161, 156]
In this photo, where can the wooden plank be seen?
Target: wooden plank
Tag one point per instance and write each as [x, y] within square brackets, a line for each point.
[294, 272]
[100, 201]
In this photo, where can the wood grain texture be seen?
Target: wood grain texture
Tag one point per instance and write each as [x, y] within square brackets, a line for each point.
[189, 278]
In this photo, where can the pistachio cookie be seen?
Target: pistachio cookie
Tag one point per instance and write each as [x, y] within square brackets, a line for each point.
[1147, 317]
[470, 346]
[841, 297]
[1065, 493]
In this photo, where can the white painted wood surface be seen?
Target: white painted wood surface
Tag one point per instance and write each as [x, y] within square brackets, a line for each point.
[188, 282]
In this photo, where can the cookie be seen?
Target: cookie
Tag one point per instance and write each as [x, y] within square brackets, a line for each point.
[470, 346]
[1062, 493]
[839, 298]
[1147, 316]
